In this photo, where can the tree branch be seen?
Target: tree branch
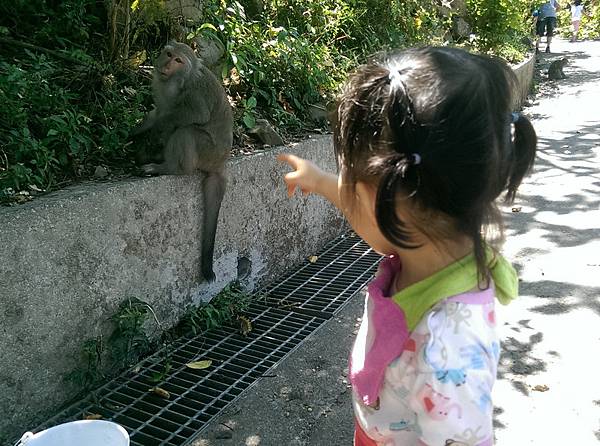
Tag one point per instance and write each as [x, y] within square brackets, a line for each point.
[54, 53]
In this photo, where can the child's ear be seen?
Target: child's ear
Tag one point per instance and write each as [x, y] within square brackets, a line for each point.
[367, 197]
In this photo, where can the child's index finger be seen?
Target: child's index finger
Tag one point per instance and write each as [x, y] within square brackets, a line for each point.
[288, 158]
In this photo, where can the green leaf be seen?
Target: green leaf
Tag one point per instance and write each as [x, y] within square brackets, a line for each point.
[199, 365]
[249, 120]
[208, 26]
[251, 102]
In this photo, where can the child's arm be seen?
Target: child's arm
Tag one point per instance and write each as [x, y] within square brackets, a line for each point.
[310, 179]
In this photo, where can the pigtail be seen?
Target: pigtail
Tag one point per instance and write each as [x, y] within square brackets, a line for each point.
[524, 144]
[392, 180]
[398, 173]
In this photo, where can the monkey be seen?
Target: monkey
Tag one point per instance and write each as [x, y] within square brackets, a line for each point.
[555, 70]
[193, 120]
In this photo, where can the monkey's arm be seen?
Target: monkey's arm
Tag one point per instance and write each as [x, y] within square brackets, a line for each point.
[149, 121]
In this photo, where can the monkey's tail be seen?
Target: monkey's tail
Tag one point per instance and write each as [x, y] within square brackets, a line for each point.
[213, 192]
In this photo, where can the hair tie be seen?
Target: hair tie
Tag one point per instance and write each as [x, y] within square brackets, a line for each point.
[514, 117]
[394, 75]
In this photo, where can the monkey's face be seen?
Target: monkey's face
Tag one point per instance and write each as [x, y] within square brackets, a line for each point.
[174, 61]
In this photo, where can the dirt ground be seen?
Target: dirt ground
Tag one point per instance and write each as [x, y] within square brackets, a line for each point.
[548, 391]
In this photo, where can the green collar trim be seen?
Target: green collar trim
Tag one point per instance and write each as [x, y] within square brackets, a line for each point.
[457, 278]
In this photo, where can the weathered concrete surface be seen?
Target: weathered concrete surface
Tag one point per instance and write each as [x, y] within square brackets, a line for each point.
[524, 72]
[69, 259]
[550, 335]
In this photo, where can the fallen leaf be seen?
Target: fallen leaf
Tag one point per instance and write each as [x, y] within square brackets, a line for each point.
[93, 416]
[160, 392]
[199, 365]
[516, 209]
[245, 325]
[313, 259]
[541, 388]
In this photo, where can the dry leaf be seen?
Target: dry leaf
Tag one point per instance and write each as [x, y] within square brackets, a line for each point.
[160, 392]
[313, 259]
[245, 325]
[93, 416]
[199, 365]
[516, 209]
[541, 388]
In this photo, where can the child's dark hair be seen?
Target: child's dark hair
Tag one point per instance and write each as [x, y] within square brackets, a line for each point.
[433, 125]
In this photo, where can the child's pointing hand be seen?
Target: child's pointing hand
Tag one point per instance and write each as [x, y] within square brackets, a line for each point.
[306, 175]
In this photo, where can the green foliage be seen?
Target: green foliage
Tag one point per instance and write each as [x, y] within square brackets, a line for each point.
[499, 25]
[298, 51]
[125, 346]
[129, 340]
[53, 129]
[71, 89]
[91, 373]
[64, 110]
[223, 308]
[589, 27]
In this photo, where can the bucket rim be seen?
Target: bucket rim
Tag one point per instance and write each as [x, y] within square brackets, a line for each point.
[28, 436]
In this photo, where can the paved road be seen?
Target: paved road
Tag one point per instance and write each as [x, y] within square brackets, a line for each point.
[552, 333]
[548, 392]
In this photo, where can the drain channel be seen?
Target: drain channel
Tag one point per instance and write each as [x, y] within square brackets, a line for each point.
[288, 312]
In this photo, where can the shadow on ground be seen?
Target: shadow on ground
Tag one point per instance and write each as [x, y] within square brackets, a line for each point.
[567, 156]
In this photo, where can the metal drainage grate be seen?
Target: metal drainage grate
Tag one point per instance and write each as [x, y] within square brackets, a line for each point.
[303, 300]
[322, 287]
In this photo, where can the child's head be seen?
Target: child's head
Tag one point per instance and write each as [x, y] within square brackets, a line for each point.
[431, 130]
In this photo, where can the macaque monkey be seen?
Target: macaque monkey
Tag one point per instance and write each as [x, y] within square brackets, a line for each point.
[555, 70]
[194, 121]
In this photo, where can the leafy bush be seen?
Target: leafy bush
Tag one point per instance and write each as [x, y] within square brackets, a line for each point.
[71, 87]
[66, 109]
[53, 128]
[590, 22]
[499, 26]
[297, 51]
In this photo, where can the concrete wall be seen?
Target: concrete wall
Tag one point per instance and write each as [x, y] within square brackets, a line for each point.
[524, 73]
[67, 260]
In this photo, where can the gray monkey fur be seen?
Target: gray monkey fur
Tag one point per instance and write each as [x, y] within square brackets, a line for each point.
[194, 121]
[555, 70]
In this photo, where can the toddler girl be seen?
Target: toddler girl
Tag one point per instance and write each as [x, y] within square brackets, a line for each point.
[426, 143]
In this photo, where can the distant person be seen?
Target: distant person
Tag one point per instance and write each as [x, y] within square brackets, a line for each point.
[426, 144]
[576, 13]
[546, 23]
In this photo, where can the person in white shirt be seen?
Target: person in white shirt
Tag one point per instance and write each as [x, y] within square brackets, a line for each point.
[576, 12]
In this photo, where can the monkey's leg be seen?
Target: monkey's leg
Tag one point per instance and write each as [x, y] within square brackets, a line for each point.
[180, 153]
[213, 191]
